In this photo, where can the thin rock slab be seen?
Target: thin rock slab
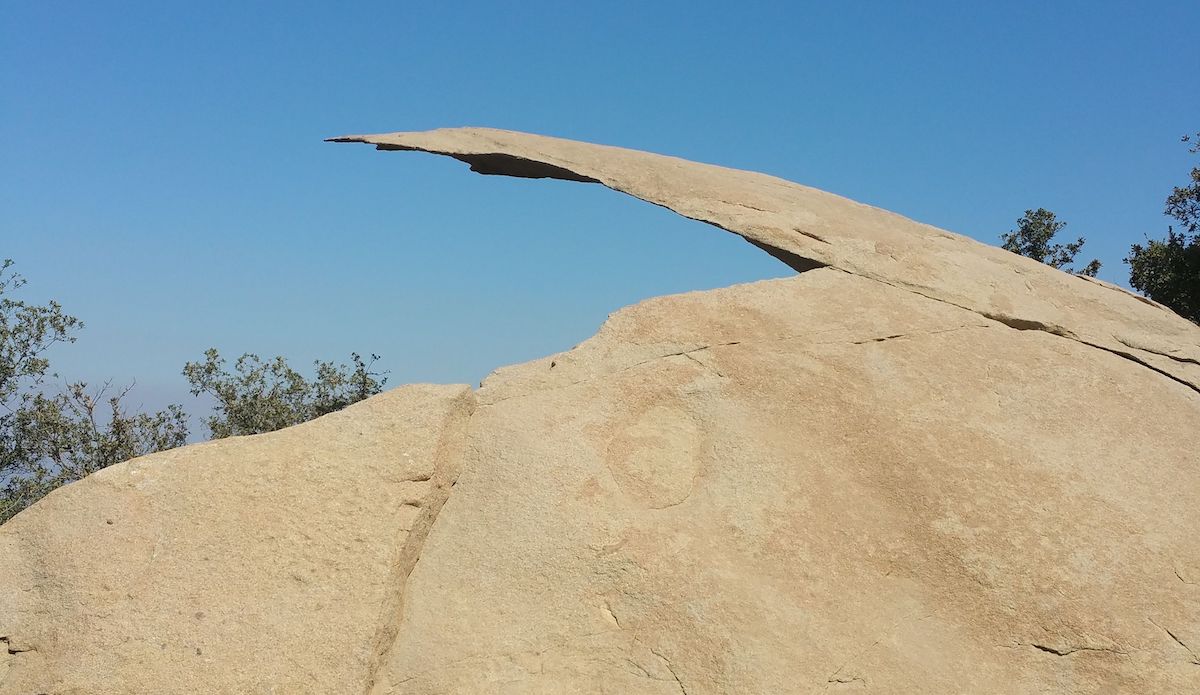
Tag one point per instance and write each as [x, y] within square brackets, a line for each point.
[807, 228]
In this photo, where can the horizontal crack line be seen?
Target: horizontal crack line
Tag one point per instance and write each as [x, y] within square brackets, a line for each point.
[1029, 325]
[779, 339]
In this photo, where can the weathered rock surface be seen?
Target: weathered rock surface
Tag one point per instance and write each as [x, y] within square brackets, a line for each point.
[922, 466]
[251, 564]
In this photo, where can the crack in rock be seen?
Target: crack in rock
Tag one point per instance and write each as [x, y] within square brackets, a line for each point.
[593, 377]
[641, 671]
[1052, 329]
[835, 678]
[671, 669]
[447, 466]
[1173, 636]
[912, 334]
[10, 649]
[1160, 353]
[812, 235]
[778, 339]
[1069, 650]
[703, 364]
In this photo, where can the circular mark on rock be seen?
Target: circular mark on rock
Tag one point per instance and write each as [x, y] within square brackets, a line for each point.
[656, 458]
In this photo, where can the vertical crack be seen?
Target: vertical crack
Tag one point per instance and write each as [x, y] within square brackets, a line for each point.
[667, 663]
[447, 466]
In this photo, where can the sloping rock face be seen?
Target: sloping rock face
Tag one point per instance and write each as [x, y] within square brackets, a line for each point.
[246, 565]
[922, 465]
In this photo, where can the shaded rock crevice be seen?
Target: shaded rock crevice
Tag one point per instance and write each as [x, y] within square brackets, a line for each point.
[1135, 358]
[1022, 324]
[1069, 650]
[11, 649]
[1195, 658]
[1144, 348]
[519, 167]
[446, 469]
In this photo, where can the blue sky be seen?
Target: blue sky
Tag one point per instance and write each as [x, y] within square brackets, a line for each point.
[164, 175]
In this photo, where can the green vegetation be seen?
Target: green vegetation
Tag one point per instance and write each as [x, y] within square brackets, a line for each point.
[1168, 270]
[51, 436]
[262, 396]
[1035, 230]
[49, 439]
[1165, 270]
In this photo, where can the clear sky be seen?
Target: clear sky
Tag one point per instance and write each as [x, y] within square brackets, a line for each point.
[164, 177]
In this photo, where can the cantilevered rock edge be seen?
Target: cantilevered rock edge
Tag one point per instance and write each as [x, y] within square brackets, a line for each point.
[807, 228]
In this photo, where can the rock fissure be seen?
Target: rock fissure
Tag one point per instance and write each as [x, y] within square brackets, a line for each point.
[1020, 324]
[912, 334]
[446, 468]
[667, 663]
[740, 205]
[1124, 291]
[703, 364]
[1051, 329]
[1138, 360]
[612, 615]
[1160, 353]
[681, 353]
[688, 354]
[1195, 658]
[836, 676]
[813, 235]
[639, 669]
[11, 649]
[1069, 650]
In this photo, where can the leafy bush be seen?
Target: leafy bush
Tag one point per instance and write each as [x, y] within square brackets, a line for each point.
[50, 437]
[260, 396]
[1035, 230]
[1168, 270]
